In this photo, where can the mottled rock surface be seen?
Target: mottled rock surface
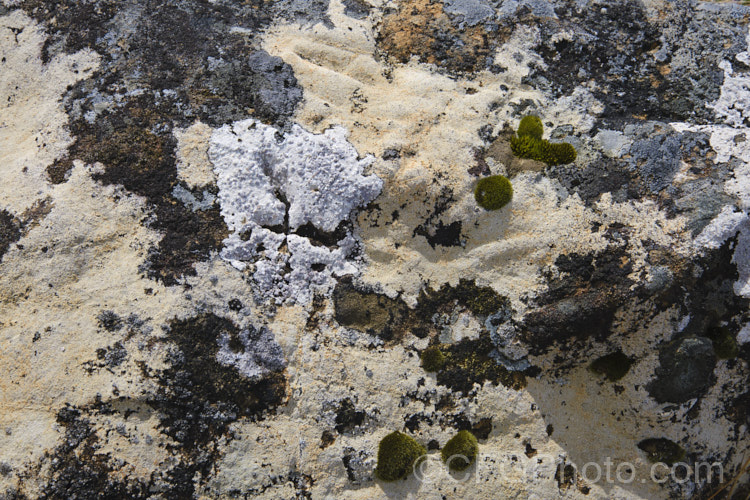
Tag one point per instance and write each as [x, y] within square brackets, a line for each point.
[229, 230]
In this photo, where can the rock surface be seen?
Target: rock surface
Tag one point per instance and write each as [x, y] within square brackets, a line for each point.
[229, 230]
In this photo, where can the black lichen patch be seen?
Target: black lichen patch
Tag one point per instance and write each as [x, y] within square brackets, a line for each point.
[199, 397]
[738, 409]
[235, 305]
[435, 230]
[327, 439]
[482, 428]
[136, 147]
[196, 372]
[642, 69]
[662, 450]
[582, 302]
[614, 366]
[348, 417]
[301, 484]
[412, 422]
[109, 321]
[109, 357]
[10, 231]
[318, 237]
[443, 235]
[14, 227]
[685, 371]
[79, 471]
[357, 465]
[705, 288]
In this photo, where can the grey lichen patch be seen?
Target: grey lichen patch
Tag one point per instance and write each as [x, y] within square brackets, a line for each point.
[287, 200]
[358, 9]
[651, 70]
[306, 12]
[261, 84]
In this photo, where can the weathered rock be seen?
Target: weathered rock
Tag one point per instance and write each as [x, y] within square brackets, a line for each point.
[239, 246]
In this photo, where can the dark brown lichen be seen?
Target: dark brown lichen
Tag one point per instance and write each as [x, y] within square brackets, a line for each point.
[662, 450]
[470, 362]
[614, 366]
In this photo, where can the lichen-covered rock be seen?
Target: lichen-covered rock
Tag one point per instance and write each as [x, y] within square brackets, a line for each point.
[240, 245]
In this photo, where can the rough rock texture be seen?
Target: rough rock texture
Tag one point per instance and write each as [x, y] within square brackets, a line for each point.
[229, 230]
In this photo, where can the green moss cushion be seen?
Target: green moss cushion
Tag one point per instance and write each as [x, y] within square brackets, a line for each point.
[493, 192]
[531, 126]
[460, 451]
[397, 455]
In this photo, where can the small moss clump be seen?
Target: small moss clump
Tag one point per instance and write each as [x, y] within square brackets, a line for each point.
[529, 144]
[493, 192]
[433, 359]
[531, 126]
[662, 450]
[614, 366]
[460, 451]
[559, 153]
[397, 455]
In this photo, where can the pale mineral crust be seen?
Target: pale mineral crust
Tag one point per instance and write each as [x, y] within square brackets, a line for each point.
[230, 229]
